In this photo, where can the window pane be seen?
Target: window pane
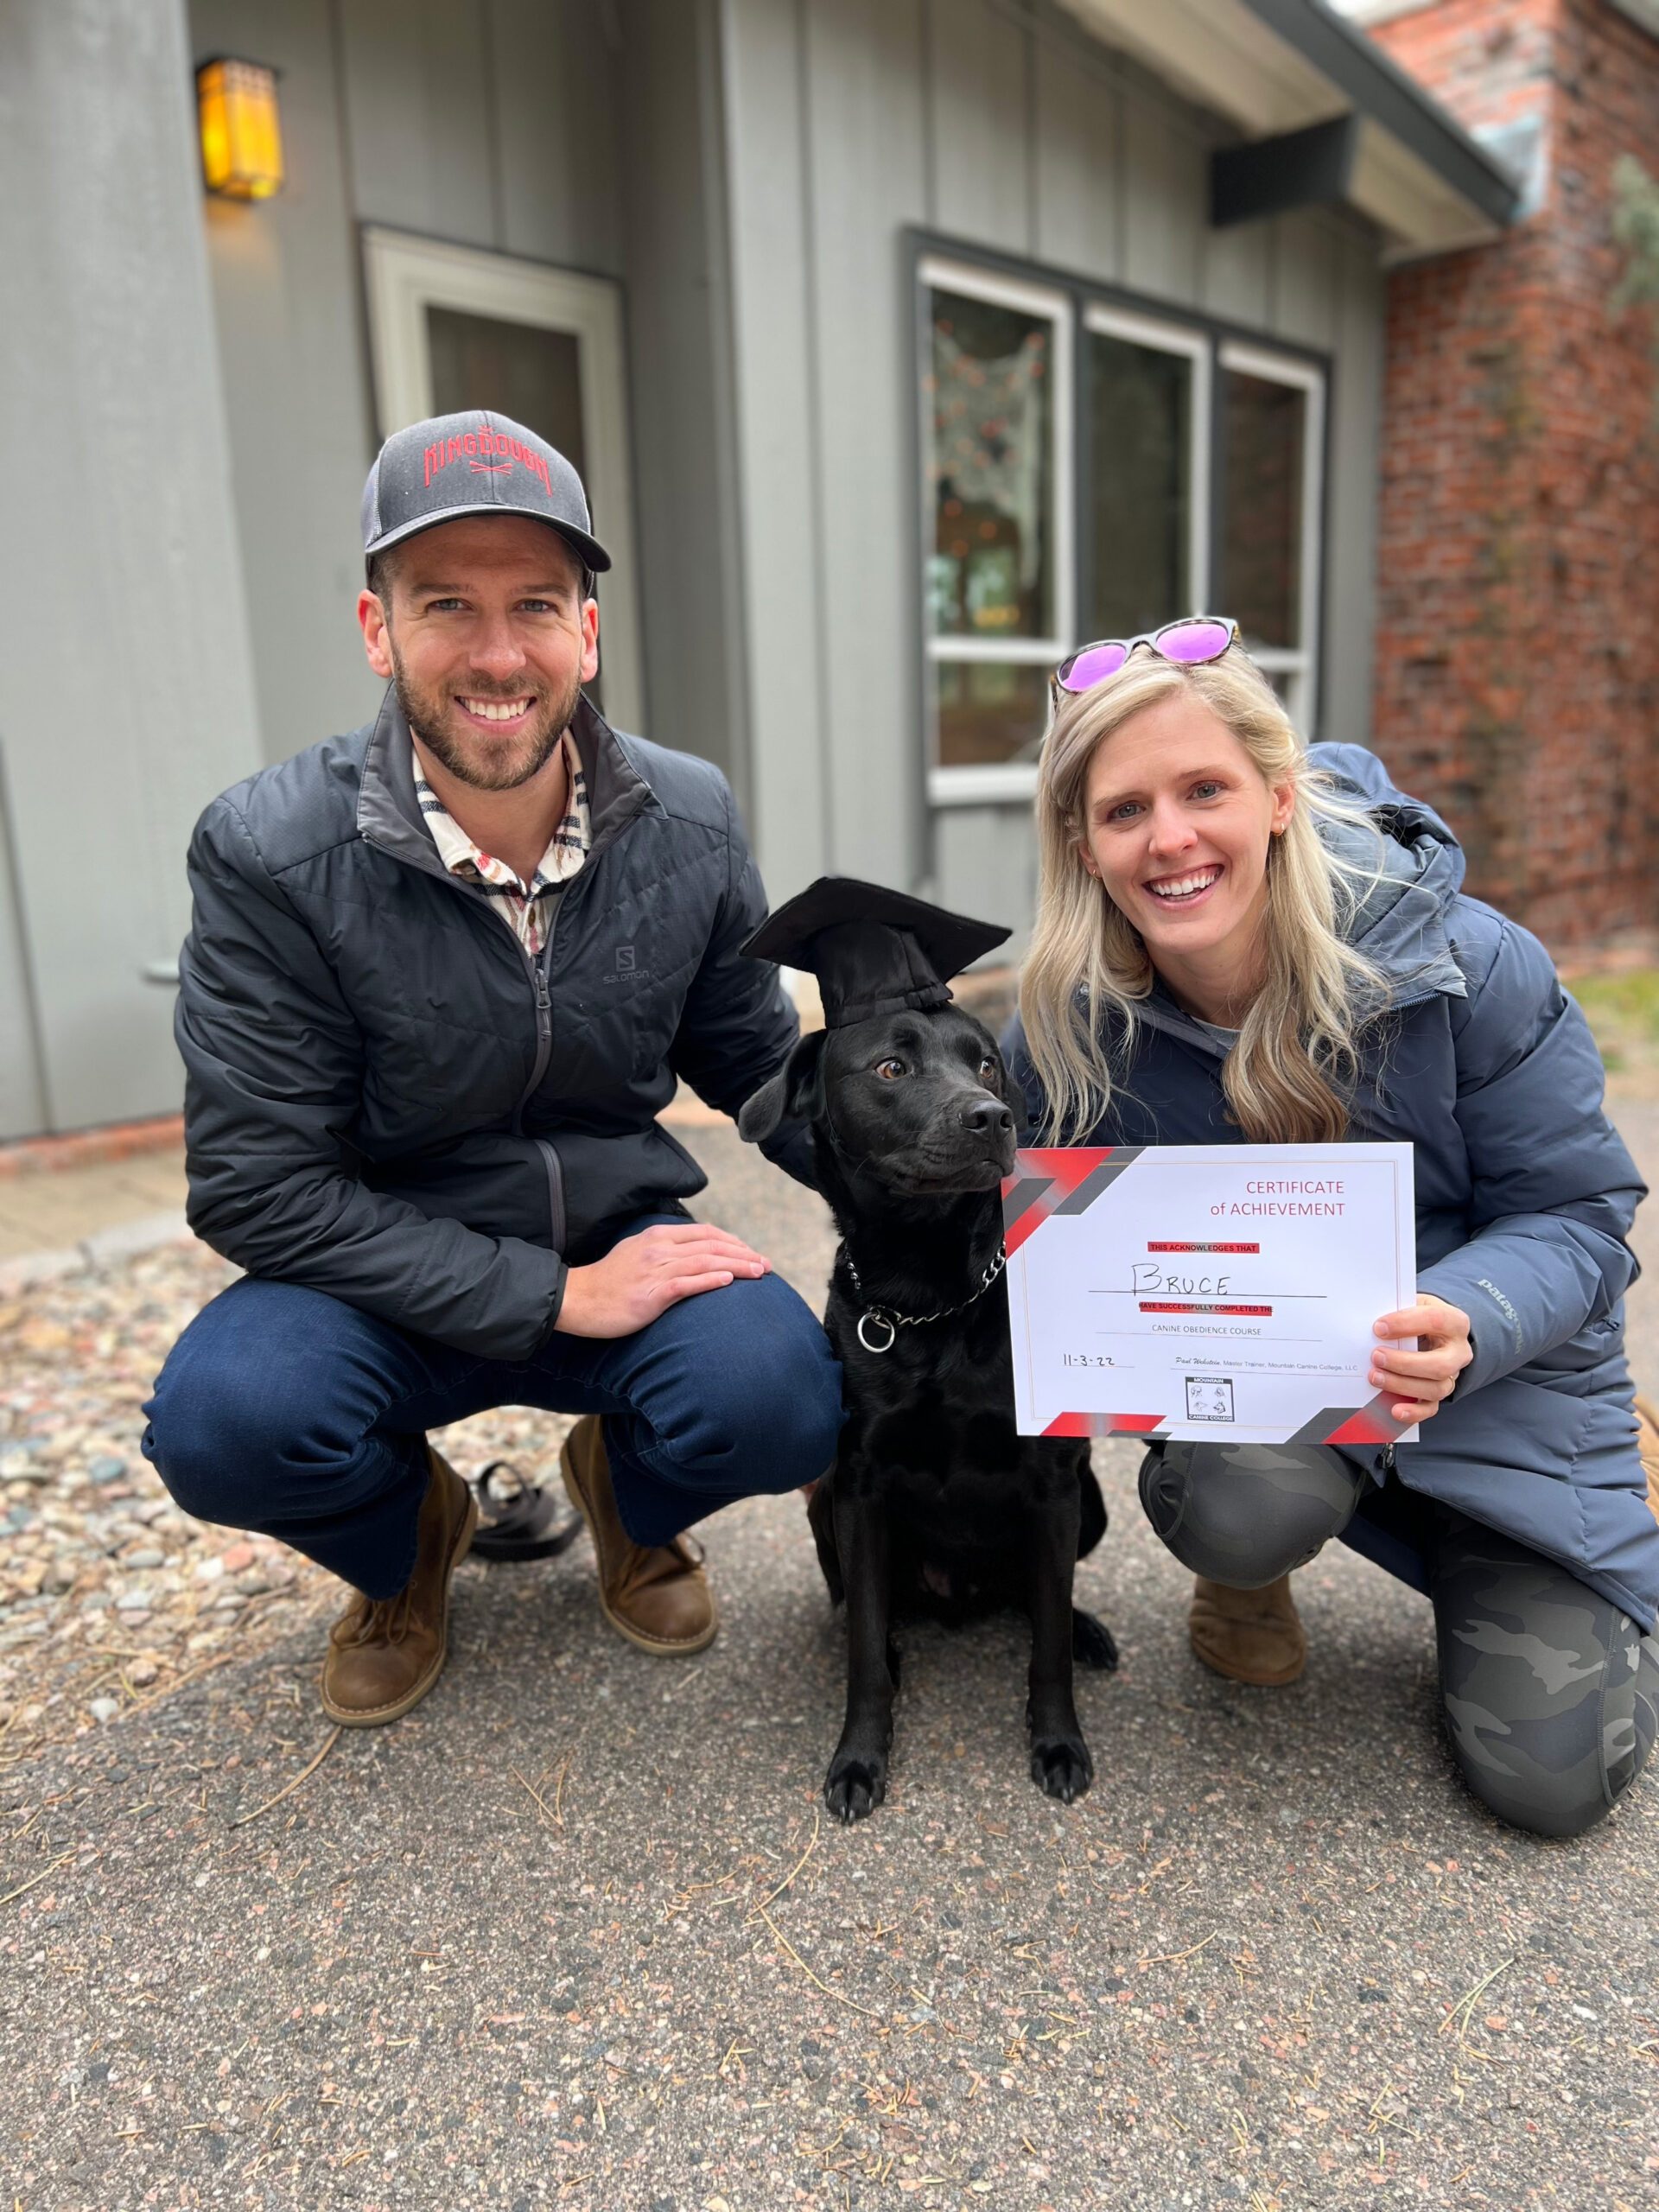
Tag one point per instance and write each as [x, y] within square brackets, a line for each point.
[531, 375]
[1141, 413]
[1262, 529]
[990, 712]
[989, 471]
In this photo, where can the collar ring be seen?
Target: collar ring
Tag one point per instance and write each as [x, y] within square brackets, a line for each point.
[881, 1321]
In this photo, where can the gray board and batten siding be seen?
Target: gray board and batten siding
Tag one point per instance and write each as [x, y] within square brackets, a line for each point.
[993, 130]
[554, 132]
[752, 174]
[749, 171]
[559, 132]
[180, 584]
[124, 696]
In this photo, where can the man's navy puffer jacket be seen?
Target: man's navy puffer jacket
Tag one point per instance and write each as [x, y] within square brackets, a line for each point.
[389, 1100]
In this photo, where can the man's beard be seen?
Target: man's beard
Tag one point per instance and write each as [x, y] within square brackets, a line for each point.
[472, 759]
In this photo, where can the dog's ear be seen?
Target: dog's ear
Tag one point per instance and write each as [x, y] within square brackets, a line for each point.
[794, 1094]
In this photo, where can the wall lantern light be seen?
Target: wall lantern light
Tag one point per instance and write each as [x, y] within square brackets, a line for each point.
[241, 132]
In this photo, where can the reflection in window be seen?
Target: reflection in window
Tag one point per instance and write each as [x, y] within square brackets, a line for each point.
[1068, 495]
[1262, 556]
[990, 711]
[1141, 418]
[988, 472]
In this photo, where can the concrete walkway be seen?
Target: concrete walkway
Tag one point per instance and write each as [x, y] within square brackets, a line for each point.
[573, 1934]
[54, 1211]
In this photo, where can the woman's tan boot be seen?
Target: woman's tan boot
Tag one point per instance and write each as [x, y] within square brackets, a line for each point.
[1249, 1635]
[1647, 1443]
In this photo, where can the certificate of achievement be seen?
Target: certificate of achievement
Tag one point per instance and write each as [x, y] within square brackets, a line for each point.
[1225, 1291]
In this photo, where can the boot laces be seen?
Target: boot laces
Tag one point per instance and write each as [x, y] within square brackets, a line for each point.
[652, 1563]
[382, 1620]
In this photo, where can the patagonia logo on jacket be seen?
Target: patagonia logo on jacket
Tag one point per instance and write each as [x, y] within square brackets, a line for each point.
[1505, 1309]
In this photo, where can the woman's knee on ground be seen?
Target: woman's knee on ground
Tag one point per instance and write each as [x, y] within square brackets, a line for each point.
[1558, 1774]
[1551, 1693]
[1245, 1514]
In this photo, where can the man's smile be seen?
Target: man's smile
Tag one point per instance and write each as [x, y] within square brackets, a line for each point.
[495, 711]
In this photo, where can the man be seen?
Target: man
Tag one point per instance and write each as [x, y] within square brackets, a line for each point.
[442, 975]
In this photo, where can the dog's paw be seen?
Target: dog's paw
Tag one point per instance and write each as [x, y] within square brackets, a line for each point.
[1092, 1641]
[1061, 1766]
[855, 1787]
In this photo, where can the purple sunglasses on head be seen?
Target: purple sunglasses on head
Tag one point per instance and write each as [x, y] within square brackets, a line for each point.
[1197, 638]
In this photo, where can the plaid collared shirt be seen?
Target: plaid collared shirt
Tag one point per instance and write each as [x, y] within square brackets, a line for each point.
[524, 907]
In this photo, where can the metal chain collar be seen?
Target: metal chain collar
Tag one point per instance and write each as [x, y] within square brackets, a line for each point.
[888, 1317]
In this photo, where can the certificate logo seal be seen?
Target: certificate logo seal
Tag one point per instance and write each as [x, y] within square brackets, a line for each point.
[1210, 1397]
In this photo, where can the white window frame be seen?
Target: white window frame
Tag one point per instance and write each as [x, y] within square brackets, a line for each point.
[1015, 780]
[1299, 664]
[1211, 355]
[1159, 337]
[405, 275]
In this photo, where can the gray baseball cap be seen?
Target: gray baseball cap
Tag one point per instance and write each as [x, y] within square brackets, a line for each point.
[475, 462]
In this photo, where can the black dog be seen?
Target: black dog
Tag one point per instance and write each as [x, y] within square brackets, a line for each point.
[935, 1506]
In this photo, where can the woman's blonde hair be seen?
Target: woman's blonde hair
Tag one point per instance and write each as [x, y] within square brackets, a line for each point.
[1289, 1078]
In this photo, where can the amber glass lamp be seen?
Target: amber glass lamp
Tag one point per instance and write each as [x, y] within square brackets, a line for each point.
[241, 131]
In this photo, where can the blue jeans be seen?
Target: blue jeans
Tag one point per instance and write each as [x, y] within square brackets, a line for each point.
[284, 1411]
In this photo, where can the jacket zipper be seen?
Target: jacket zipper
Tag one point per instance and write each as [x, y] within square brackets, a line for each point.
[538, 975]
[552, 1165]
[543, 1031]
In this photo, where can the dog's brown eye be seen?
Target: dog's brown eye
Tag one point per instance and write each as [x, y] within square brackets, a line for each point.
[988, 1066]
[889, 1070]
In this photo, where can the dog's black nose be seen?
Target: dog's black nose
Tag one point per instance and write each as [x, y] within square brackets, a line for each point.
[987, 1118]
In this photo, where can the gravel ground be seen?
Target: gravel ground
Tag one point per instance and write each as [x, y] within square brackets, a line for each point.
[573, 1934]
[110, 1597]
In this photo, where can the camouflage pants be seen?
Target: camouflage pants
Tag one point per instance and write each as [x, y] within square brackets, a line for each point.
[1550, 1693]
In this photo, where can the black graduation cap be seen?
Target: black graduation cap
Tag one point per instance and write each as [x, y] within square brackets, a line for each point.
[874, 951]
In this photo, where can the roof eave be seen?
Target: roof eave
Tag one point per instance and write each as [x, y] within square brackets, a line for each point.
[1275, 67]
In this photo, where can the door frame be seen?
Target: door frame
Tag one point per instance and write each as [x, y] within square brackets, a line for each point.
[406, 275]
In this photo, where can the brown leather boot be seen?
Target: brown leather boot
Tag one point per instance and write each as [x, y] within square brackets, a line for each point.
[1249, 1635]
[657, 1596]
[385, 1654]
[1647, 1443]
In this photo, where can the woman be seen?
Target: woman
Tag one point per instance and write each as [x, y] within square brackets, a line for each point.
[1239, 939]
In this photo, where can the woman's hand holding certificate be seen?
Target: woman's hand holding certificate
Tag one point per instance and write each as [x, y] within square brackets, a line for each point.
[1424, 1377]
[1224, 1291]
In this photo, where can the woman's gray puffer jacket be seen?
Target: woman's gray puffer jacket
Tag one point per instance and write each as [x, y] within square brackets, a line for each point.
[1525, 1194]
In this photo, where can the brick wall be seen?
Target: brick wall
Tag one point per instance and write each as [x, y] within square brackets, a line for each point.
[1517, 651]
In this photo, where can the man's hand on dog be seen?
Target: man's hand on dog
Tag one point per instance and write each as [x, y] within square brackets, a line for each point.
[1425, 1377]
[644, 1275]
